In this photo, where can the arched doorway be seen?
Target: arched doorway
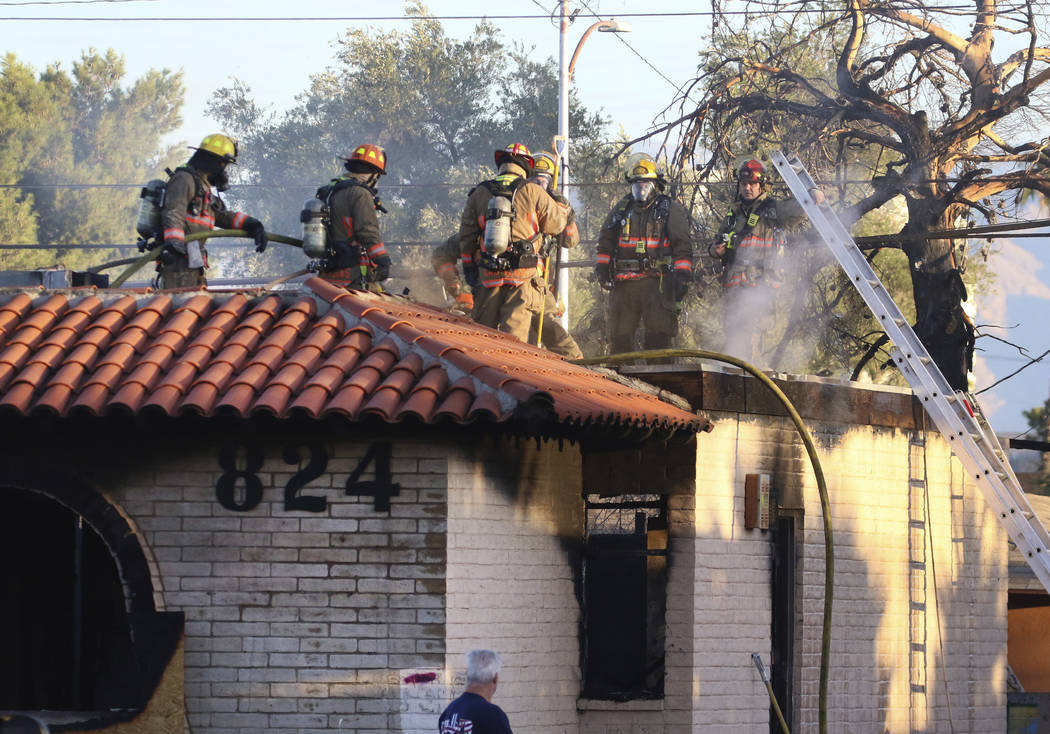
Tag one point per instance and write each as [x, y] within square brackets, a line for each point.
[64, 625]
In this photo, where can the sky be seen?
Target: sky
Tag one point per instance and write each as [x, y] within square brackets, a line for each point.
[632, 84]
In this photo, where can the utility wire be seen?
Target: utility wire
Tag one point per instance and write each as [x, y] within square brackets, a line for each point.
[388, 18]
[446, 185]
[621, 39]
[982, 232]
[71, 2]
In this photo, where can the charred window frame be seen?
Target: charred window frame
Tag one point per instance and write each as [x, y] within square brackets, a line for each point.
[624, 597]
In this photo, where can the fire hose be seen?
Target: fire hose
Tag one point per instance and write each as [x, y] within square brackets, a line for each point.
[822, 488]
[154, 252]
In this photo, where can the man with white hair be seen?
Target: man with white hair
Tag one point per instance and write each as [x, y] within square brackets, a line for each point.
[473, 712]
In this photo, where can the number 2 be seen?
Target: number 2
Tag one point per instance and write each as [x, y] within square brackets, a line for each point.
[313, 469]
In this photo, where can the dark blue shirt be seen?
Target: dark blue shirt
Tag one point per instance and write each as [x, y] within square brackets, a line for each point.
[472, 714]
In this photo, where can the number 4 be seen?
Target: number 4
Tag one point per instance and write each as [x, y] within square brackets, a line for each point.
[382, 489]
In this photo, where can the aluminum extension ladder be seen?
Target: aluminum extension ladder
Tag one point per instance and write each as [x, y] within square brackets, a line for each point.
[957, 415]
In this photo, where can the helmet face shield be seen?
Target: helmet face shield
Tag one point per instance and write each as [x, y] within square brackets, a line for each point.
[642, 190]
[543, 180]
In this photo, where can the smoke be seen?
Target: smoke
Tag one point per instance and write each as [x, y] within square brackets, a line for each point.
[774, 324]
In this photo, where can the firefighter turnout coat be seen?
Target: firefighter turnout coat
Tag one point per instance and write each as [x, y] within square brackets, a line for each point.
[190, 207]
[353, 230]
[646, 240]
[509, 298]
[753, 234]
[537, 214]
[643, 245]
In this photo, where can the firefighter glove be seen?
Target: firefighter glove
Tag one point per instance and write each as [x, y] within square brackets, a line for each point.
[382, 263]
[682, 279]
[465, 300]
[472, 274]
[603, 271]
[258, 233]
[175, 245]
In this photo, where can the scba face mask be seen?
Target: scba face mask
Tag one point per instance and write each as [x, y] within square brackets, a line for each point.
[642, 190]
[542, 180]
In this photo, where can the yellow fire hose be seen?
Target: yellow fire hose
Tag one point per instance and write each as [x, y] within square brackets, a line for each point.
[153, 253]
[822, 488]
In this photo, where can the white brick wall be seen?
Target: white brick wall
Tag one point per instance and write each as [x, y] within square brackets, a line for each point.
[889, 664]
[297, 621]
[309, 622]
[511, 520]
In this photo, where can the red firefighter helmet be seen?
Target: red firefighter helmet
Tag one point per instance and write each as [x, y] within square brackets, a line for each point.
[515, 153]
[752, 170]
[369, 154]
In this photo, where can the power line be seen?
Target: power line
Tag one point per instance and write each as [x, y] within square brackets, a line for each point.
[389, 18]
[621, 39]
[1007, 230]
[72, 2]
[827, 183]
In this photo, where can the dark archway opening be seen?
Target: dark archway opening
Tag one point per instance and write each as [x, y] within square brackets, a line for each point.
[64, 627]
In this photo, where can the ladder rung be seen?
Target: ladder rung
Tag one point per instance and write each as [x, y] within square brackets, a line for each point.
[966, 429]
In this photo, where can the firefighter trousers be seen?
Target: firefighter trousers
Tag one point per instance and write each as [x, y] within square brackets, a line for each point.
[645, 301]
[509, 308]
[554, 336]
[175, 272]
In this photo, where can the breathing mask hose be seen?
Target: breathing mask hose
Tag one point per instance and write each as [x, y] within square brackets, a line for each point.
[152, 254]
[822, 488]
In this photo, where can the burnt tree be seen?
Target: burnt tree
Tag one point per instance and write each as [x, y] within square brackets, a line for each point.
[906, 95]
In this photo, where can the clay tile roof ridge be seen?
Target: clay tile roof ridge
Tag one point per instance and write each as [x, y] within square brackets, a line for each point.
[506, 401]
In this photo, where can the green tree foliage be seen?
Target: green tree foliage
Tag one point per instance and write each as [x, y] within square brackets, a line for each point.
[80, 127]
[439, 106]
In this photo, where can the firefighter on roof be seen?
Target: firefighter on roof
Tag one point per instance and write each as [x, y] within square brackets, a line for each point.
[500, 238]
[190, 207]
[645, 257]
[444, 259]
[750, 244]
[553, 335]
[548, 329]
[349, 251]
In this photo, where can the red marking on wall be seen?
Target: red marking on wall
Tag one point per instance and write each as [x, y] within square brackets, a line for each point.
[420, 678]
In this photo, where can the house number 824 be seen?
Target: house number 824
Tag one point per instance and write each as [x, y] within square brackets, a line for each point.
[381, 489]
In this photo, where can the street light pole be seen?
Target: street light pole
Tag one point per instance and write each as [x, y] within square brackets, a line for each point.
[566, 65]
[561, 145]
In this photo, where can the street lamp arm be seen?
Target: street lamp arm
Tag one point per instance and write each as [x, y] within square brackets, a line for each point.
[586, 34]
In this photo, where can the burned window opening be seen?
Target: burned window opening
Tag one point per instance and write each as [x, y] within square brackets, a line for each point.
[624, 596]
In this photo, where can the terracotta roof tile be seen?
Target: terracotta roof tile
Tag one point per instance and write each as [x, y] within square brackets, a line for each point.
[422, 402]
[320, 352]
[456, 402]
[18, 397]
[11, 360]
[12, 313]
